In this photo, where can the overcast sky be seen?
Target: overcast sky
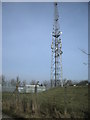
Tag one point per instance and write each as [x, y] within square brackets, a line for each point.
[27, 39]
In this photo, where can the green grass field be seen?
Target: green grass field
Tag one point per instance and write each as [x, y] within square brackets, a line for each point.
[70, 102]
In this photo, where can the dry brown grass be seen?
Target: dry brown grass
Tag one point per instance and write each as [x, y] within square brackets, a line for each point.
[49, 104]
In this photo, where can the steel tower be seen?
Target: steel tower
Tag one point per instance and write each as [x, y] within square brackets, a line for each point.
[56, 47]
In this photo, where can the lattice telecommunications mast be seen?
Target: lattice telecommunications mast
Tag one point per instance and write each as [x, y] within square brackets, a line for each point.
[56, 47]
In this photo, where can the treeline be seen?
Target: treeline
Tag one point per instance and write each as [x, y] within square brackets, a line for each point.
[74, 82]
[17, 80]
[13, 82]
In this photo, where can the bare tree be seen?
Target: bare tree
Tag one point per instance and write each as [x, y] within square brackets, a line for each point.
[47, 84]
[69, 82]
[84, 51]
[13, 82]
[24, 83]
[4, 83]
[64, 81]
[17, 84]
[33, 82]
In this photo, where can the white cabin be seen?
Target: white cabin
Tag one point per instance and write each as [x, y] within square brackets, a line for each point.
[31, 88]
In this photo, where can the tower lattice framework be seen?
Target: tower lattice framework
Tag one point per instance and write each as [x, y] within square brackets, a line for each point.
[56, 47]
